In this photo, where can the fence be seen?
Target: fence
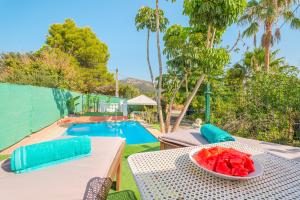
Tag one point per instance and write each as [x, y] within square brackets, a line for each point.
[25, 109]
[104, 104]
[113, 108]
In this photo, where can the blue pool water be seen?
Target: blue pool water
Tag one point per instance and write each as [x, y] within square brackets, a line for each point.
[132, 131]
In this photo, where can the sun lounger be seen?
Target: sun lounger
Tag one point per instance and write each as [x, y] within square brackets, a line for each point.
[77, 179]
[192, 137]
[181, 138]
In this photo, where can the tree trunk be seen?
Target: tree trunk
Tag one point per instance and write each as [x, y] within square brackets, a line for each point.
[169, 110]
[208, 36]
[256, 66]
[159, 109]
[148, 60]
[213, 38]
[188, 102]
[267, 58]
[186, 85]
[209, 44]
[168, 116]
[150, 67]
[267, 46]
[236, 42]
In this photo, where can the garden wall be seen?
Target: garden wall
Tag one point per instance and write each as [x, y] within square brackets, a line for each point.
[25, 109]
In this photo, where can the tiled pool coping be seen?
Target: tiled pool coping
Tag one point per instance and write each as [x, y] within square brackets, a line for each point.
[90, 119]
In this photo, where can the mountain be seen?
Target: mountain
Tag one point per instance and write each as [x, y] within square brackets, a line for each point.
[145, 87]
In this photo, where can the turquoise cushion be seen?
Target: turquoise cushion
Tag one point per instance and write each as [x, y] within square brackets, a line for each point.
[31, 157]
[214, 134]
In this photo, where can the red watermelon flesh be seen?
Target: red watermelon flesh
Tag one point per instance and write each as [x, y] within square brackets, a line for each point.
[225, 161]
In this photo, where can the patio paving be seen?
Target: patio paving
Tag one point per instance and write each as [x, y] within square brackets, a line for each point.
[285, 151]
[49, 133]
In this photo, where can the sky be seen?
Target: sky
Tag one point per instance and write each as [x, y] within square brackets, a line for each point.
[24, 27]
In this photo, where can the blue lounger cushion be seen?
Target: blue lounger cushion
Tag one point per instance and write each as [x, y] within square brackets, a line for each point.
[36, 156]
[214, 134]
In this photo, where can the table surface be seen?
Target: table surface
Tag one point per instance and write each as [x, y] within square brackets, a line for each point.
[170, 174]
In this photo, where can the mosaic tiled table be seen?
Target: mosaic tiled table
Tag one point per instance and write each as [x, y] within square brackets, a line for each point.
[171, 175]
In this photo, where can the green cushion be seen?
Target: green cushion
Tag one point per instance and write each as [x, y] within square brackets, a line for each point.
[214, 134]
[36, 156]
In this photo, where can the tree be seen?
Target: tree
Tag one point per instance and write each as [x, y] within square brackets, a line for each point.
[255, 104]
[96, 80]
[73, 59]
[186, 53]
[159, 108]
[129, 91]
[212, 17]
[251, 64]
[92, 55]
[145, 19]
[48, 67]
[179, 49]
[267, 14]
[171, 84]
[81, 43]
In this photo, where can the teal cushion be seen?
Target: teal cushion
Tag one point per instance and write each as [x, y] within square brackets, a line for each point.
[214, 134]
[36, 156]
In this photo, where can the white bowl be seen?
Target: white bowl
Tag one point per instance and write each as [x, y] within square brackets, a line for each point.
[258, 169]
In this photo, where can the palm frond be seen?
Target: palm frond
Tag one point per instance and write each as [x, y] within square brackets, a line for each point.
[275, 53]
[277, 35]
[251, 30]
[264, 41]
[295, 23]
[288, 15]
[245, 19]
[272, 40]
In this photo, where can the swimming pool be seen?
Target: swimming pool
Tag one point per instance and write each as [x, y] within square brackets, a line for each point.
[132, 131]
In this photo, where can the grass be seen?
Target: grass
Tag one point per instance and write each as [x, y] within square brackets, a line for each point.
[127, 182]
[3, 157]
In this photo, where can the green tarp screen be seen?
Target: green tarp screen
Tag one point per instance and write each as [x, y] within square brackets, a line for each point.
[26, 109]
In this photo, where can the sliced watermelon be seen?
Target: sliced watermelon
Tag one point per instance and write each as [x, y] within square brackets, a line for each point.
[249, 164]
[225, 160]
[223, 168]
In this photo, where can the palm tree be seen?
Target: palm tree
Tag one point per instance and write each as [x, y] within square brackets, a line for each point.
[255, 60]
[251, 64]
[267, 14]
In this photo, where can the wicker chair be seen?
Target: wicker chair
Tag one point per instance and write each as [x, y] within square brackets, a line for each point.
[97, 189]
